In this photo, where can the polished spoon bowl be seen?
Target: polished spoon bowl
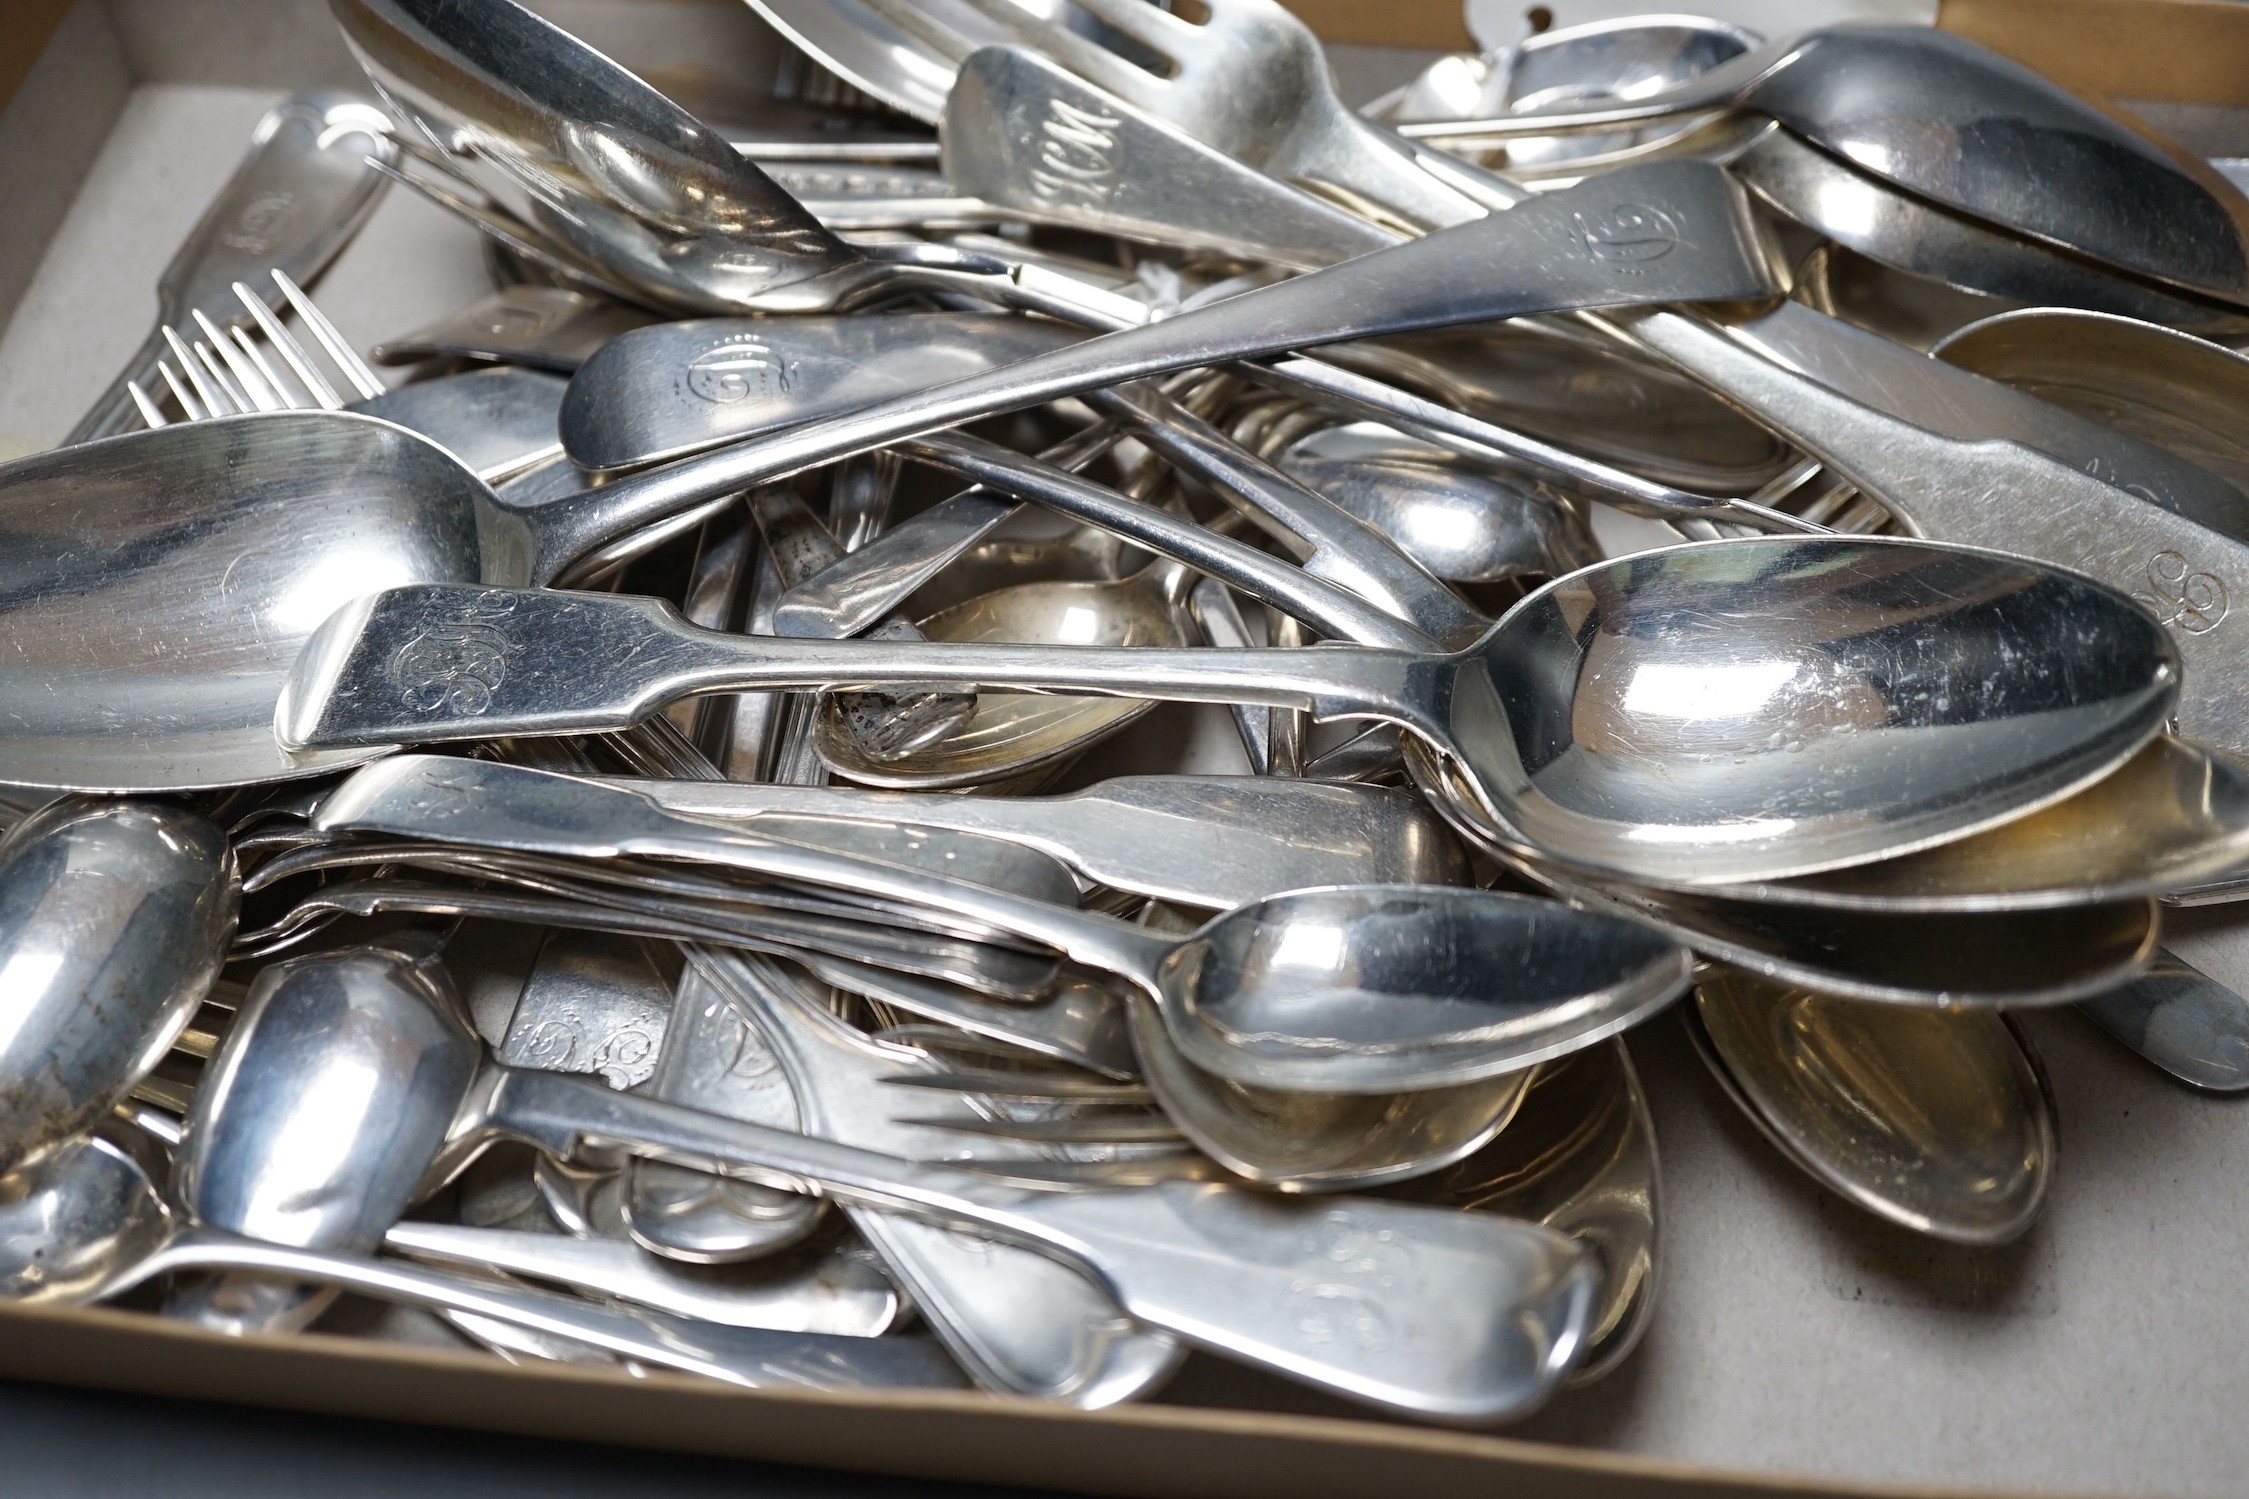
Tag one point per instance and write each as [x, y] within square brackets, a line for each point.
[1696, 715]
[1940, 1121]
[1372, 1002]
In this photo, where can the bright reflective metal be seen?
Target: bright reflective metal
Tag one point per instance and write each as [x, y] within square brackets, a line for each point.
[2179, 393]
[678, 388]
[2183, 1021]
[831, 1294]
[1949, 120]
[1198, 840]
[294, 202]
[1219, 1265]
[1352, 989]
[1698, 715]
[83, 1223]
[1580, 1158]
[1464, 526]
[1939, 1121]
[1018, 1321]
[114, 921]
[542, 327]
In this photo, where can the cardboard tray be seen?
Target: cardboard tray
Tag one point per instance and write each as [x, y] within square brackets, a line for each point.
[1797, 1346]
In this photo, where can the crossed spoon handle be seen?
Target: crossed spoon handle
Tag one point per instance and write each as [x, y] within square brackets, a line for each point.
[432, 662]
[1668, 231]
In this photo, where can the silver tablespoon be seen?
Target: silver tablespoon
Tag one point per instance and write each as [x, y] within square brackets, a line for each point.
[1237, 1271]
[392, 508]
[1596, 711]
[1239, 998]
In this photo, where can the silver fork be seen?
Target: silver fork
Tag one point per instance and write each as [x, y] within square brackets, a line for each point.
[225, 372]
[1250, 80]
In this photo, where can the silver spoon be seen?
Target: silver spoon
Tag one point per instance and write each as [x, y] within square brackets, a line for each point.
[114, 921]
[629, 186]
[677, 388]
[416, 514]
[1939, 1121]
[1948, 120]
[1580, 1158]
[2180, 393]
[1464, 526]
[1012, 736]
[543, 327]
[83, 1224]
[1238, 1272]
[1629, 728]
[1236, 998]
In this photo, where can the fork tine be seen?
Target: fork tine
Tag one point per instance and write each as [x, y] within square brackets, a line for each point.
[248, 389]
[144, 405]
[363, 379]
[230, 396]
[286, 397]
[1145, 22]
[193, 409]
[292, 353]
[214, 403]
[1083, 56]
[909, 17]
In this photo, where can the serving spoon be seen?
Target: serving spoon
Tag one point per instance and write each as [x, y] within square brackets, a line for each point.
[1236, 998]
[1235, 1271]
[1593, 713]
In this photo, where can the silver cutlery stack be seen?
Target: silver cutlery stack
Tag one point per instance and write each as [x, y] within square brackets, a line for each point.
[643, 824]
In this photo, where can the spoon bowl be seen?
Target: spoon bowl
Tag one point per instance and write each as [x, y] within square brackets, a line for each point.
[1707, 714]
[1465, 526]
[1939, 1121]
[114, 921]
[1013, 734]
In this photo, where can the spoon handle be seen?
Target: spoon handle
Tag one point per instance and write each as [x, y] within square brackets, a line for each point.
[432, 662]
[1665, 231]
[753, 1357]
[1466, 1316]
[529, 811]
[1332, 607]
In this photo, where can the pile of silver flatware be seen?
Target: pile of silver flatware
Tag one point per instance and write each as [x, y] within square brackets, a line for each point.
[648, 833]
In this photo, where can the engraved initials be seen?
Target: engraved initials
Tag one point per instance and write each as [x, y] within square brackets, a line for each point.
[455, 667]
[1077, 154]
[1630, 234]
[1361, 1261]
[2183, 598]
[735, 372]
[252, 233]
